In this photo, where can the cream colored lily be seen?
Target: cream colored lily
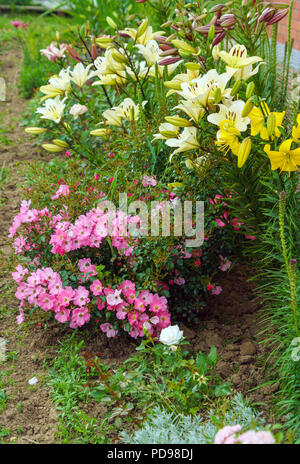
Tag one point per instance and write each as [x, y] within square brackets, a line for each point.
[113, 116]
[130, 111]
[166, 131]
[80, 74]
[191, 109]
[201, 90]
[144, 38]
[185, 141]
[238, 64]
[58, 85]
[53, 109]
[231, 113]
[151, 52]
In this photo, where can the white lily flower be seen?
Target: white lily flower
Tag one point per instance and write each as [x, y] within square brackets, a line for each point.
[201, 90]
[166, 131]
[185, 141]
[232, 113]
[58, 85]
[145, 37]
[151, 52]
[53, 109]
[238, 64]
[80, 74]
[191, 109]
[113, 116]
[130, 110]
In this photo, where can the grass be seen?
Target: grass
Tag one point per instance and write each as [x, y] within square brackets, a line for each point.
[67, 379]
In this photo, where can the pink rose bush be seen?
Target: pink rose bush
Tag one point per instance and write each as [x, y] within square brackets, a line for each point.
[81, 296]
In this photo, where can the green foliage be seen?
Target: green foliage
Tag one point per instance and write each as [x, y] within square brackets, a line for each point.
[158, 375]
[164, 427]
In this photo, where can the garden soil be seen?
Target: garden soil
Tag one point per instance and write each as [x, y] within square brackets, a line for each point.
[230, 321]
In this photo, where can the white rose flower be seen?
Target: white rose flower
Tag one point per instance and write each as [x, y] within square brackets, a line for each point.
[171, 335]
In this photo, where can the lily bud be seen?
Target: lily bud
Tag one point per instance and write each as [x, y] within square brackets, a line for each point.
[189, 164]
[271, 124]
[247, 108]
[177, 121]
[104, 42]
[52, 148]
[168, 61]
[218, 39]
[211, 33]
[168, 134]
[192, 66]
[111, 22]
[250, 89]
[216, 52]
[236, 87]
[101, 132]
[227, 20]
[278, 17]
[142, 28]
[175, 185]
[74, 54]
[244, 151]
[217, 95]
[60, 143]
[184, 46]
[174, 84]
[117, 56]
[215, 8]
[35, 130]
[266, 15]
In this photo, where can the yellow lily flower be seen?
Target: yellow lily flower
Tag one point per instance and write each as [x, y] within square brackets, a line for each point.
[227, 137]
[257, 118]
[285, 159]
[296, 131]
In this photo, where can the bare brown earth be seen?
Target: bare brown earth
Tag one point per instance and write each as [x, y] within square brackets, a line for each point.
[230, 322]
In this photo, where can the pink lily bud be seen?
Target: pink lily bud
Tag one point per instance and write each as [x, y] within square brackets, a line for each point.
[205, 29]
[123, 34]
[218, 38]
[278, 17]
[218, 7]
[170, 51]
[266, 15]
[165, 47]
[227, 20]
[171, 60]
[94, 52]
[74, 54]
[140, 1]
[160, 38]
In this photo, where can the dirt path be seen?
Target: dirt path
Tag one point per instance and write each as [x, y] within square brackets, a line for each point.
[29, 415]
